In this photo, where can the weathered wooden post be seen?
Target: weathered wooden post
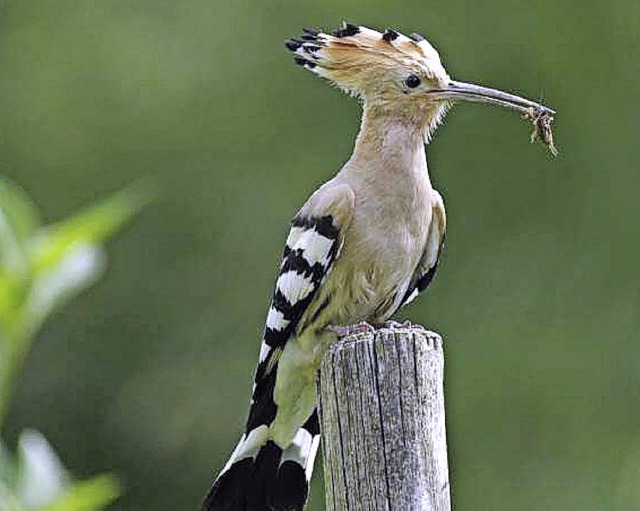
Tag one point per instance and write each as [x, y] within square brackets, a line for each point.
[383, 422]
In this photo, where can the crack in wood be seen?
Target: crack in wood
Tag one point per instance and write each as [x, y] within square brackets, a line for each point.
[383, 425]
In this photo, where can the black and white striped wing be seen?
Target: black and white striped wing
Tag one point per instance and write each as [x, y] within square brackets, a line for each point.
[312, 247]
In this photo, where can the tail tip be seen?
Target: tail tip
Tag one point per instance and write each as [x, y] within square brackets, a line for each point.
[260, 484]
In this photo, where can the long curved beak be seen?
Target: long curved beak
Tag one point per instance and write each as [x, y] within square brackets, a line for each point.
[461, 91]
[540, 115]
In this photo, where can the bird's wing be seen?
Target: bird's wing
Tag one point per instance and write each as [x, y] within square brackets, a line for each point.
[312, 247]
[428, 264]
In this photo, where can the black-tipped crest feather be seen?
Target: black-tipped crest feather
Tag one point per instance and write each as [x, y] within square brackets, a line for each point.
[390, 35]
[347, 30]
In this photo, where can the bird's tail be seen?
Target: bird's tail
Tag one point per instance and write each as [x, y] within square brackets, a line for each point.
[262, 476]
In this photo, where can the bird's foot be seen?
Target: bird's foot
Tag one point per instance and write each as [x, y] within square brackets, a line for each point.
[394, 325]
[406, 325]
[346, 330]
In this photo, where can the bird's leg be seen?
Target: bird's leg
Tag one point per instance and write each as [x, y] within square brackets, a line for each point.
[346, 330]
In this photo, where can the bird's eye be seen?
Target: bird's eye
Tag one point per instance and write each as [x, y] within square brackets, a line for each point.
[412, 81]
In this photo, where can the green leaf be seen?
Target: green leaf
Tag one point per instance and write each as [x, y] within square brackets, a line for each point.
[90, 495]
[76, 269]
[19, 218]
[41, 477]
[8, 499]
[43, 267]
[18, 209]
[88, 227]
[7, 465]
[42, 483]
[80, 266]
[66, 256]
[13, 292]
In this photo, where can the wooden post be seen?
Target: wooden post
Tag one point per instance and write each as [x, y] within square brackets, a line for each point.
[383, 422]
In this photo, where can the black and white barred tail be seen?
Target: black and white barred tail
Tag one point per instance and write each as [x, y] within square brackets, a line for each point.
[272, 464]
[262, 475]
[272, 478]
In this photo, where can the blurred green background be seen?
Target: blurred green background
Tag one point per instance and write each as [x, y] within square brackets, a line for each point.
[149, 373]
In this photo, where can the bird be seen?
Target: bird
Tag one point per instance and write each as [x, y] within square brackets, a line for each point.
[364, 244]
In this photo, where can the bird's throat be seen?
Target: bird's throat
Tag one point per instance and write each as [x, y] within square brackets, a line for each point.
[389, 147]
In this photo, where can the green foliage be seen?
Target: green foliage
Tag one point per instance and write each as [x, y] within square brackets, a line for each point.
[41, 268]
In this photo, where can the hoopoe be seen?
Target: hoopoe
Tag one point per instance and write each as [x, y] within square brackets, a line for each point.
[366, 243]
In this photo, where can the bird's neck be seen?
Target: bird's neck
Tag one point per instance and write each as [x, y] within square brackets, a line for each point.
[391, 147]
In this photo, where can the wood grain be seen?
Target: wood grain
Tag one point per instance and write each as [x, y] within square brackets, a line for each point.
[382, 418]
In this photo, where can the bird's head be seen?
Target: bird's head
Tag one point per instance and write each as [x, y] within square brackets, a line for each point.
[394, 74]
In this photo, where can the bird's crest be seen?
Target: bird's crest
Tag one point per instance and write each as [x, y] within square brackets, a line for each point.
[357, 58]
